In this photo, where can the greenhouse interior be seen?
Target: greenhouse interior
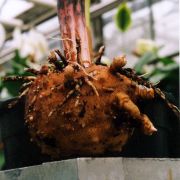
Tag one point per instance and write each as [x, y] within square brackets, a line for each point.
[91, 81]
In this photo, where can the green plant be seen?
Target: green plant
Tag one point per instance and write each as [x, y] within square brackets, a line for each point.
[2, 160]
[123, 17]
[163, 71]
[18, 65]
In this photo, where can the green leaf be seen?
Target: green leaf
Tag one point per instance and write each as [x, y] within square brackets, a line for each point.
[18, 65]
[20, 60]
[2, 159]
[17, 68]
[166, 60]
[1, 85]
[13, 87]
[145, 59]
[123, 17]
[169, 67]
[158, 76]
[164, 72]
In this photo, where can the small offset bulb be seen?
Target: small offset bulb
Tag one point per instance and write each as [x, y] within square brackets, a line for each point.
[118, 62]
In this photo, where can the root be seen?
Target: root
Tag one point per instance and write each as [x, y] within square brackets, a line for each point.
[33, 71]
[19, 78]
[131, 74]
[62, 57]
[23, 93]
[53, 60]
[77, 87]
[25, 86]
[69, 94]
[144, 92]
[82, 68]
[170, 105]
[78, 65]
[143, 75]
[139, 90]
[124, 102]
[99, 55]
[108, 89]
[92, 86]
[77, 101]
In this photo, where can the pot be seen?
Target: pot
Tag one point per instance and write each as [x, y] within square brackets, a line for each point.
[18, 149]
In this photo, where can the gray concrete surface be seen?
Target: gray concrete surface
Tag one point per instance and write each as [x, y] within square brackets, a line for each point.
[99, 169]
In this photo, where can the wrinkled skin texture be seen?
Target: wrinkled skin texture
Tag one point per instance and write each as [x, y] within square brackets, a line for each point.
[85, 112]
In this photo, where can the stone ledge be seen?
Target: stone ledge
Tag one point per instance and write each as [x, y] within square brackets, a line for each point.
[99, 169]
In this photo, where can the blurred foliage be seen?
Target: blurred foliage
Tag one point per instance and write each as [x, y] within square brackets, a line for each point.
[18, 65]
[145, 59]
[2, 159]
[123, 17]
[161, 70]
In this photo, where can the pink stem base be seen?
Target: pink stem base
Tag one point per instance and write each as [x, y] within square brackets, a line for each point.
[73, 31]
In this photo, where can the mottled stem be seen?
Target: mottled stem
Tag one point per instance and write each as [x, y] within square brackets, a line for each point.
[73, 31]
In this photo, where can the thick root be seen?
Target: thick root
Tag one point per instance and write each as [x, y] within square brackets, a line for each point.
[144, 92]
[124, 102]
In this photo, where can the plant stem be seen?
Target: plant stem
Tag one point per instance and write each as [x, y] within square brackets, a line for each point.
[73, 31]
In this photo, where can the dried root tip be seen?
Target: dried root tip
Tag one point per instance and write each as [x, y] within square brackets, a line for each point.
[99, 55]
[118, 63]
[130, 73]
[174, 109]
[23, 93]
[124, 102]
[147, 126]
[61, 57]
[170, 105]
[19, 78]
[25, 86]
[33, 71]
[143, 75]
[53, 60]
[101, 50]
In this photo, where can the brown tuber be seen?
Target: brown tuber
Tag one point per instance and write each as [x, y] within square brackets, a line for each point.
[85, 115]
